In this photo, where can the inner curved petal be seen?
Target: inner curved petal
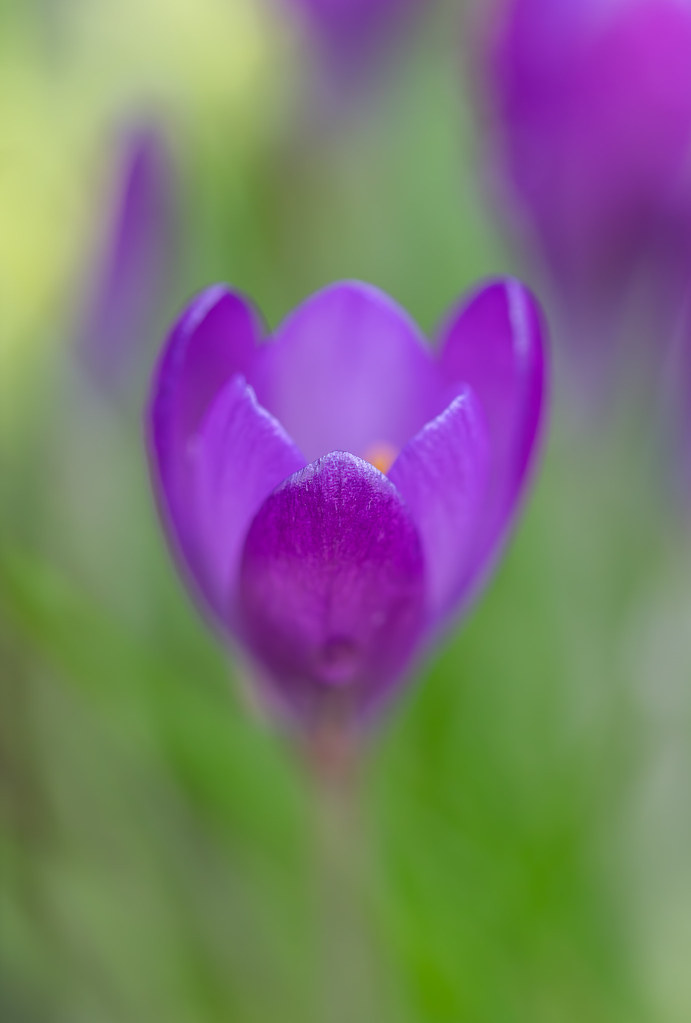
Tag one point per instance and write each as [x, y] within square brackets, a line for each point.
[442, 474]
[238, 456]
[349, 370]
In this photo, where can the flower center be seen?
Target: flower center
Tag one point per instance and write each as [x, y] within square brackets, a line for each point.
[381, 455]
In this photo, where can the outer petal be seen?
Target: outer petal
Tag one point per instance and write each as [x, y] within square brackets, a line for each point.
[213, 339]
[240, 454]
[332, 587]
[495, 344]
[349, 370]
[442, 474]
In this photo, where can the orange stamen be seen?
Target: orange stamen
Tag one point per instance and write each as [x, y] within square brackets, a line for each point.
[381, 456]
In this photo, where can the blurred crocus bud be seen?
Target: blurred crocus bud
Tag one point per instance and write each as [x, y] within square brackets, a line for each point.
[674, 409]
[135, 268]
[354, 34]
[337, 494]
[590, 102]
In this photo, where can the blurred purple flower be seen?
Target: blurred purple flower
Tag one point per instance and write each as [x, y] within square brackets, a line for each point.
[674, 408]
[135, 269]
[592, 109]
[336, 494]
[353, 34]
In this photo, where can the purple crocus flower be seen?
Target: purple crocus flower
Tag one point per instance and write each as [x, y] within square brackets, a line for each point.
[136, 267]
[337, 493]
[592, 110]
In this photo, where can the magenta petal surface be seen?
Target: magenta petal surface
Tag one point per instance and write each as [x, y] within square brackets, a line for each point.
[495, 344]
[239, 455]
[213, 340]
[332, 587]
[443, 474]
[349, 371]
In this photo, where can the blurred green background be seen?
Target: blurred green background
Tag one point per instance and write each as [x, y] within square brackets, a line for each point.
[527, 806]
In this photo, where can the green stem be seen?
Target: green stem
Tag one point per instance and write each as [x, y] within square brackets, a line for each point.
[343, 961]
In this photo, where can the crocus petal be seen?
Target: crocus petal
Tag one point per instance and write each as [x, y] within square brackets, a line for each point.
[214, 339]
[442, 474]
[349, 371]
[239, 455]
[332, 587]
[495, 344]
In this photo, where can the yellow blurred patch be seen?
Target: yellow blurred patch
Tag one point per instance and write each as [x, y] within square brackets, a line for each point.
[381, 456]
[189, 61]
